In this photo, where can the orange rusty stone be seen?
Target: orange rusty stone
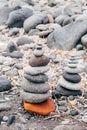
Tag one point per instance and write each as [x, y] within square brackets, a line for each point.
[44, 108]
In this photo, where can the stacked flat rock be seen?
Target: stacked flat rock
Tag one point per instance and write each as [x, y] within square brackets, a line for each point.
[35, 92]
[69, 83]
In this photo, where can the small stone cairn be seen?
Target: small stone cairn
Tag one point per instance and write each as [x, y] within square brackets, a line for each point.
[69, 83]
[35, 94]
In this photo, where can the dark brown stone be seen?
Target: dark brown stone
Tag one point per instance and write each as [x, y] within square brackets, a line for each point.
[38, 61]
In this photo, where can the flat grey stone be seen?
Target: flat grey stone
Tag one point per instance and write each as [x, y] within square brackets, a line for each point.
[72, 61]
[34, 20]
[18, 16]
[34, 87]
[66, 37]
[15, 54]
[13, 31]
[74, 78]
[68, 85]
[79, 69]
[36, 70]
[34, 98]
[72, 65]
[67, 92]
[41, 78]
[23, 40]
[38, 53]
[77, 53]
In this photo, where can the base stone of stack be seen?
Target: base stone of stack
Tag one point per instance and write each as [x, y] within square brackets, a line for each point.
[67, 92]
[44, 108]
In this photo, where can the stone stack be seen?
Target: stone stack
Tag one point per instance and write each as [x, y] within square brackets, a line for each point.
[35, 92]
[69, 83]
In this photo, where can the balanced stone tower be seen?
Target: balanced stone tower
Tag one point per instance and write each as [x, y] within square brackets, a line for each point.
[69, 83]
[35, 94]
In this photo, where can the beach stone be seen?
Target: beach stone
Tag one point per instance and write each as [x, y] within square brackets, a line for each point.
[79, 47]
[18, 16]
[78, 69]
[55, 94]
[12, 73]
[44, 108]
[5, 84]
[4, 14]
[38, 61]
[72, 65]
[77, 53]
[36, 70]
[38, 53]
[74, 78]
[84, 40]
[14, 54]
[67, 21]
[72, 61]
[66, 92]
[34, 20]
[45, 33]
[11, 47]
[41, 78]
[34, 97]
[23, 40]
[60, 19]
[33, 32]
[68, 85]
[59, 39]
[34, 87]
[13, 31]
[74, 112]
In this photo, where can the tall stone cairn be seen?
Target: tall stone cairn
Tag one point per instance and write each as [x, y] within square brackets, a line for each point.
[70, 81]
[35, 94]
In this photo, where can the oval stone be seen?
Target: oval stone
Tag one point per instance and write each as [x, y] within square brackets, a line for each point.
[74, 78]
[38, 61]
[77, 53]
[68, 85]
[67, 92]
[34, 87]
[41, 78]
[34, 98]
[5, 84]
[78, 69]
[36, 70]
[72, 65]
[38, 53]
